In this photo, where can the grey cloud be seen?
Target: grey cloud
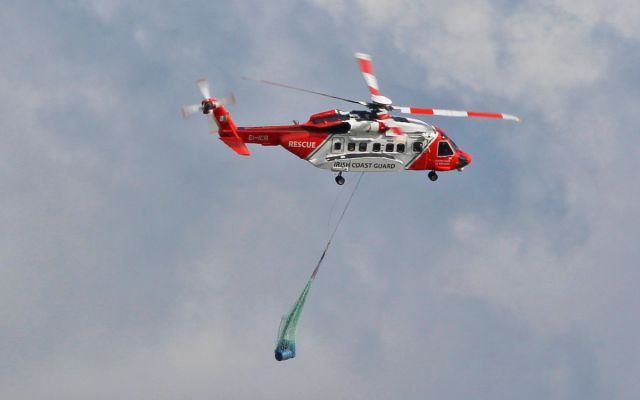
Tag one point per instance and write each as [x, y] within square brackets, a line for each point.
[141, 258]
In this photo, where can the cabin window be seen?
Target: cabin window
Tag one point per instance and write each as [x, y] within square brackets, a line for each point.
[351, 146]
[400, 148]
[388, 148]
[337, 146]
[376, 147]
[417, 147]
[444, 149]
[362, 146]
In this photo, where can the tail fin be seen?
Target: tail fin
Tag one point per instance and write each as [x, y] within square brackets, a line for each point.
[226, 128]
[228, 131]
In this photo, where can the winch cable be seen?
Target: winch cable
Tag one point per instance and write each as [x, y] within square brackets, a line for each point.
[286, 342]
[333, 207]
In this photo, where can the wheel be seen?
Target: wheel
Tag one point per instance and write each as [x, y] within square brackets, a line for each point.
[433, 176]
[340, 180]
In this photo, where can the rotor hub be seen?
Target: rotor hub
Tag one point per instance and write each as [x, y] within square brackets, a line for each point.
[208, 105]
[381, 101]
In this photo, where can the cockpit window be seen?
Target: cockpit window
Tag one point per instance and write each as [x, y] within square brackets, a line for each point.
[444, 149]
[451, 142]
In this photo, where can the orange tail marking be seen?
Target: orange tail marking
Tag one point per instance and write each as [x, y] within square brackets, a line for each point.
[229, 132]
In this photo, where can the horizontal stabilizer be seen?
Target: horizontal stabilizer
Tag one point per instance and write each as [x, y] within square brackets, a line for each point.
[236, 145]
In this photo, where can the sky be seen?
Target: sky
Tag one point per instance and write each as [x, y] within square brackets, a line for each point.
[141, 258]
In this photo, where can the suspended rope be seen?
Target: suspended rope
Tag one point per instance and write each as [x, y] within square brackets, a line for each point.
[333, 207]
[286, 343]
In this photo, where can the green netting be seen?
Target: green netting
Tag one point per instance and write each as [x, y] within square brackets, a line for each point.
[286, 344]
[289, 322]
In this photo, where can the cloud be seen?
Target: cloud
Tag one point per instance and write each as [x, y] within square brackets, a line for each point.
[141, 258]
[555, 260]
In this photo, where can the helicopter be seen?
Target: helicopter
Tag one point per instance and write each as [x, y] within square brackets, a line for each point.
[367, 140]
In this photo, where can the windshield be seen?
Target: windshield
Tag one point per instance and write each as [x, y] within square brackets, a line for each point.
[444, 149]
[448, 139]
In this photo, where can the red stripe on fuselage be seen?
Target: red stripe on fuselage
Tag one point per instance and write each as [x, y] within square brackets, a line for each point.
[267, 135]
[295, 138]
[303, 144]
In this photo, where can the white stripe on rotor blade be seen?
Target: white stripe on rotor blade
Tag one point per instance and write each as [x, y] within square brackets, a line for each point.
[371, 80]
[363, 56]
[511, 117]
[450, 113]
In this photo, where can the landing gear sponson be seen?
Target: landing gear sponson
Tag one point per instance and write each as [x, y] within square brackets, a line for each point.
[433, 176]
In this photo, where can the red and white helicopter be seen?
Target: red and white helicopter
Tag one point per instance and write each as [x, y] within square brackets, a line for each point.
[369, 140]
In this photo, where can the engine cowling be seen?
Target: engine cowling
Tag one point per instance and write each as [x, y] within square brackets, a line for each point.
[368, 126]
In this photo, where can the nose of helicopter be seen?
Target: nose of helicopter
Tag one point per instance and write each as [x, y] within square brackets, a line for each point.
[464, 159]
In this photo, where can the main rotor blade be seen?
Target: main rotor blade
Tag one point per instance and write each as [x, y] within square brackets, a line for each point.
[282, 85]
[366, 67]
[203, 85]
[456, 113]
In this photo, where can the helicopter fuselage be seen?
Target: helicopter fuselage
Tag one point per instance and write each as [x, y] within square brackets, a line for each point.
[363, 142]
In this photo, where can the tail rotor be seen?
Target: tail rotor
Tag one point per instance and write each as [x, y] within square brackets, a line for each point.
[208, 103]
[219, 120]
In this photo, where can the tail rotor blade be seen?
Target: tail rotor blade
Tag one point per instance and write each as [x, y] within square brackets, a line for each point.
[203, 85]
[189, 110]
[228, 99]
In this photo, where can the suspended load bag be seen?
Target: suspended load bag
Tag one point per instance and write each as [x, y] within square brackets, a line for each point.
[286, 344]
